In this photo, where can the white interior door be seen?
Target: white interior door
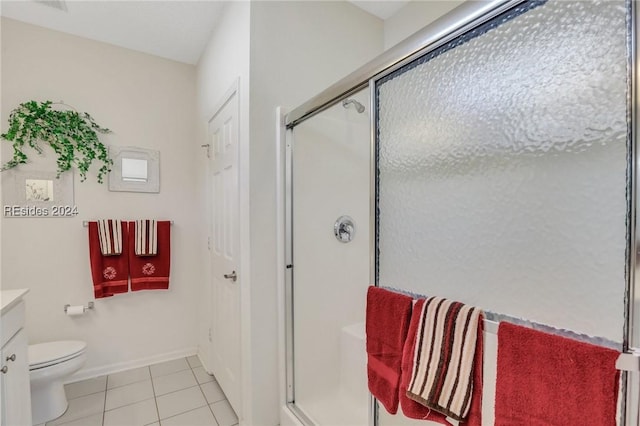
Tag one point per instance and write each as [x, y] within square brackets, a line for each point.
[225, 328]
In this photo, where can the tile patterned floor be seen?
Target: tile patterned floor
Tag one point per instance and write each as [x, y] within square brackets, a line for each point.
[173, 393]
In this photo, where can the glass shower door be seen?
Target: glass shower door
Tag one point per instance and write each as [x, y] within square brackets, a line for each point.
[504, 170]
[330, 180]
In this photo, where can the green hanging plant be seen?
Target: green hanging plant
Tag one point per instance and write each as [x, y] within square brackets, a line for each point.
[72, 136]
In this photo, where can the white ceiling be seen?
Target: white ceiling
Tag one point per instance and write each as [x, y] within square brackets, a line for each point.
[383, 9]
[177, 30]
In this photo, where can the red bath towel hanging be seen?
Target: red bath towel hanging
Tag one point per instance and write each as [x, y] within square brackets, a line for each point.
[151, 272]
[110, 273]
[387, 322]
[548, 380]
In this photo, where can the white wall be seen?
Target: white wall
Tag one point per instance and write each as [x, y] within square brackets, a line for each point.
[414, 16]
[297, 50]
[224, 62]
[148, 102]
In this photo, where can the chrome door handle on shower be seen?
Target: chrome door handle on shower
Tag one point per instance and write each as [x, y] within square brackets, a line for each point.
[232, 276]
[344, 229]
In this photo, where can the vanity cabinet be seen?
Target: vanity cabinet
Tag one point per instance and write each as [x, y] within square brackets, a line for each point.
[15, 392]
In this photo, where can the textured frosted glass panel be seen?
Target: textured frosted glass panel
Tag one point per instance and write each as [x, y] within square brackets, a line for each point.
[502, 169]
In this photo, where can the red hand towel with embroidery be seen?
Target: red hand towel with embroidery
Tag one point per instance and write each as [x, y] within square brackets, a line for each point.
[151, 272]
[110, 274]
[415, 410]
[387, 322]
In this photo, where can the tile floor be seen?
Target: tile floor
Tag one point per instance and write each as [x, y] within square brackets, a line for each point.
[172, 393]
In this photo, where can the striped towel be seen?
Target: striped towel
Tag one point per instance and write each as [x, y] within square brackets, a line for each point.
[441, 378]
[110, 235]
[146, 238]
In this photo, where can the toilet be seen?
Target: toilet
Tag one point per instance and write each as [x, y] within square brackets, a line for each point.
[50, 364]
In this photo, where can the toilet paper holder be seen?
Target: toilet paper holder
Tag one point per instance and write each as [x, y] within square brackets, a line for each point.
[89, 306]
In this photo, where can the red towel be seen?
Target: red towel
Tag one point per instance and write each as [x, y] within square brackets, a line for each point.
[548, 380]
[387, 322]
[110, 274]
[415, 410]
[151, 272]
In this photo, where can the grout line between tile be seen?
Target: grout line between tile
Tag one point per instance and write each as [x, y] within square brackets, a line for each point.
[195, 377]
[67, 422]
[127, 384]
[87, 394]
[205, 402]
[185, 412]
[104, 403]
[155, 398]
[178, 390]
[209, 405]
[166, 374]
[126, 405]
[202, 392]
[132, 383]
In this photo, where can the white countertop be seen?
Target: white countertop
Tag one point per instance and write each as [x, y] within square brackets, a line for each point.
[9, 298]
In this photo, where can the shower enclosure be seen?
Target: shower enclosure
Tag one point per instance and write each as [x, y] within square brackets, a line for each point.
[494, 163]
[330, 167]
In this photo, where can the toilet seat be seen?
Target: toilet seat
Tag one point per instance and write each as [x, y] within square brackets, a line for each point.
[43, 355]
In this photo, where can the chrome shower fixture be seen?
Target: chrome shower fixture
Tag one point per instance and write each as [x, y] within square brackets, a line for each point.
[358, 105]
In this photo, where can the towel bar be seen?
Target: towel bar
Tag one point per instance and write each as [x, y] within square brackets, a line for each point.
[628, 361]
[85, 223]
[493, 319]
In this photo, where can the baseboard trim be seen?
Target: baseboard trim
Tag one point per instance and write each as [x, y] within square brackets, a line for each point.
[91, 373]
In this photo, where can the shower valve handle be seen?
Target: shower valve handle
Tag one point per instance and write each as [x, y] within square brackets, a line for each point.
[232, 276]
[11, 358]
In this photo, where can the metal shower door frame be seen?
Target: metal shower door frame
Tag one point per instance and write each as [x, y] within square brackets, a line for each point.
[631, 345]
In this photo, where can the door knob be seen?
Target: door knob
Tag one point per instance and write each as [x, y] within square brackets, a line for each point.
[232, 276]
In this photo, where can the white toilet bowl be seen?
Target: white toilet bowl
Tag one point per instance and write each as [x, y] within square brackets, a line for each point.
[49, 365]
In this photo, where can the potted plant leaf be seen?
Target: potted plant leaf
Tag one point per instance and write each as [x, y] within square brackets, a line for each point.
[71, 135]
